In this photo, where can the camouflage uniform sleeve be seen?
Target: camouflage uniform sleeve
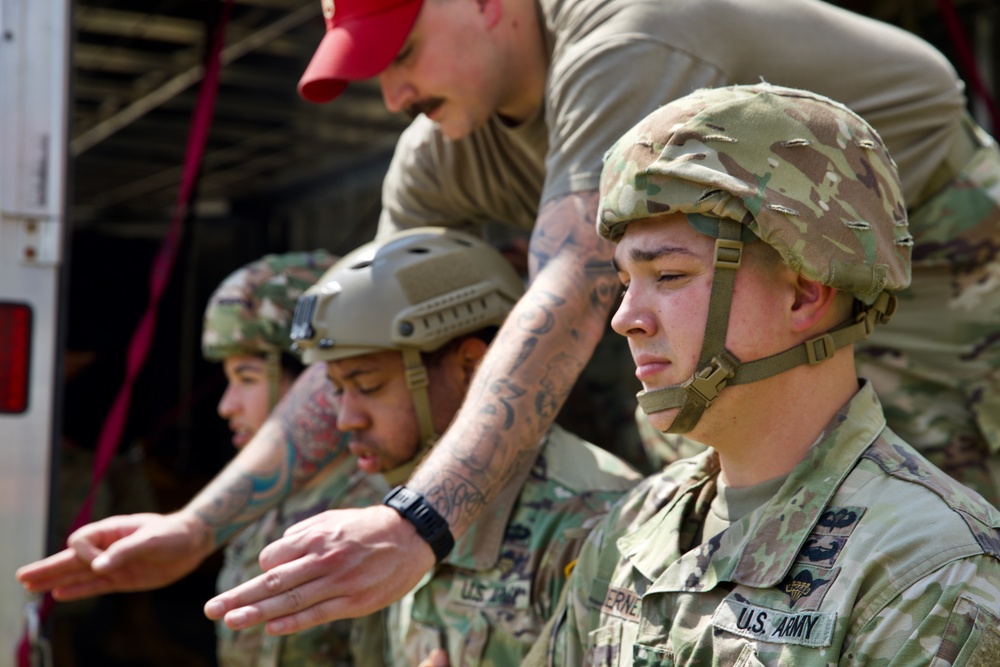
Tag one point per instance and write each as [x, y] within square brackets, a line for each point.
[949, 619]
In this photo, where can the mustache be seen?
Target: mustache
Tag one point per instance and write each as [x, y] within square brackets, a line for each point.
[423, 106]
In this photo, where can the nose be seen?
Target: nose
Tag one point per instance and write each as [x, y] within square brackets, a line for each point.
[632, 317]
[351, 415]
[229, 404]
[396, 93]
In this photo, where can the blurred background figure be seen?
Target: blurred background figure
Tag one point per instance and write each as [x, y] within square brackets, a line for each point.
[247, 323]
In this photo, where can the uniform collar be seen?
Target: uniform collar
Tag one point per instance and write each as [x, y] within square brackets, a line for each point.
[758, 550]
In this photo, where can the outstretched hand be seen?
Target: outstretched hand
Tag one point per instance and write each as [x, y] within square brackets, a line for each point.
[437, 658]
[338, 564]
[132, 552]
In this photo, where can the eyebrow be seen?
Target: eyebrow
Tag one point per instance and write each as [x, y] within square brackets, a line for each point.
[355, 373]
[642, 255]
[248, 366]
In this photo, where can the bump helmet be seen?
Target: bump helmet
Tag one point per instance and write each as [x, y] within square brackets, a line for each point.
[413, 291]
[417, 289]
[251, 311]
[795, 169]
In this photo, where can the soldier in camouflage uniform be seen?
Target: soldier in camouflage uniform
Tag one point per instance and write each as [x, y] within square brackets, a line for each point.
[937, 369]
[246, 327]
[810, 534]
[402, 324]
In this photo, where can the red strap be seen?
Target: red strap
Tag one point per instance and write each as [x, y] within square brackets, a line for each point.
[159, 277]
[967, 60]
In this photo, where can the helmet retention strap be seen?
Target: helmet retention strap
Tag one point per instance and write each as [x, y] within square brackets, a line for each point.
[417, 380]
[272, 364]
[716, 364]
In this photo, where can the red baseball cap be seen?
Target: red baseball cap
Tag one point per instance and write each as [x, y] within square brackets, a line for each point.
[362, 38]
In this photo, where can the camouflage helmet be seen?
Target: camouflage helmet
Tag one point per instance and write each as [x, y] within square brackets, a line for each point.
[797, 170]
[250, 312]
[413, 292]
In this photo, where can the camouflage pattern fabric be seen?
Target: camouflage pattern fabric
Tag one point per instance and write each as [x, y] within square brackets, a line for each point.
[251, 311]
[937, 367]
[867, 555]
[805, 174]
[486, 603]
[339, 644]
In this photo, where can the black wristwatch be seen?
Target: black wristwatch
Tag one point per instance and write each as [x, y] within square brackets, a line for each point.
[430, 525]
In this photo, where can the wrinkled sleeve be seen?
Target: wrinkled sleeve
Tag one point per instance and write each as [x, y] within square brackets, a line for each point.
[947, 619]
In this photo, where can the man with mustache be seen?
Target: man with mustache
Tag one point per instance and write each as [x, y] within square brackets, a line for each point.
[519, 101]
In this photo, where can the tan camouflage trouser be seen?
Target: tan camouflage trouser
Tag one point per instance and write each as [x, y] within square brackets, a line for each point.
[936, 366]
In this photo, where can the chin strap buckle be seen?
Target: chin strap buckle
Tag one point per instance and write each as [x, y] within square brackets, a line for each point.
[709, 381]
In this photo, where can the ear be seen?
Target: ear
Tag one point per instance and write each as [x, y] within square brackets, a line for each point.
[813, 303]
[491, 11]
[470, 352]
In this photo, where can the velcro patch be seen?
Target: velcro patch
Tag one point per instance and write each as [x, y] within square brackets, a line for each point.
[622, 603]
[770, 625]
[507, 594]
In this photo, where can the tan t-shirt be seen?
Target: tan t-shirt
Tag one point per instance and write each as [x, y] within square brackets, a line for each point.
[614, 61]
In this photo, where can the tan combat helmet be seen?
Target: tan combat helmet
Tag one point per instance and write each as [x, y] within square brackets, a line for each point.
[799, 171]
[250, 312]
[413, 292]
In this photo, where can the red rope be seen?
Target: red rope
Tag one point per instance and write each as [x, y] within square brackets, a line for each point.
[160, 272]
[967, 61]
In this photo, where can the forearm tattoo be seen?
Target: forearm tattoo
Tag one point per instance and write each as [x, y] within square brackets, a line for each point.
[298, 439]
[309, 423]
[533, 363]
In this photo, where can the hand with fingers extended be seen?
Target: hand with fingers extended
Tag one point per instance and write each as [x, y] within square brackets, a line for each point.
[121, 553]
[437, 658]
[338, 564]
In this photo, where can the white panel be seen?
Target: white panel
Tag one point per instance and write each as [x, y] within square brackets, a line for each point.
[34, 45]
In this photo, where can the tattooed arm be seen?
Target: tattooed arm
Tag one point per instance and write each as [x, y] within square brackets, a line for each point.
[347, 563]
[146, 551]
[296, 441]
[531, 366]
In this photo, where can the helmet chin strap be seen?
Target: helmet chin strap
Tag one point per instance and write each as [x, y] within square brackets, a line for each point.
[719, 368]
[716, 364]
[417, 381]
[272, 366]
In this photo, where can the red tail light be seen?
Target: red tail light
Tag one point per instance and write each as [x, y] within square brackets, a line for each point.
[15, 351]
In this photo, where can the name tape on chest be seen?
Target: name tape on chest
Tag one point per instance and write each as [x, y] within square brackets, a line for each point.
[777, 627]
[622, 603]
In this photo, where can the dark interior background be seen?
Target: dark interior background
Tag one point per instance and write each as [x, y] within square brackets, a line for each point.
[279, 174]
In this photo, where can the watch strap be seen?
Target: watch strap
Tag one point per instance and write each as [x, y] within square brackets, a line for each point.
[430, 525]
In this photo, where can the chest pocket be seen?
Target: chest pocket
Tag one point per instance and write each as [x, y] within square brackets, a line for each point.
[611, 645]
[748, 658]
[651, 656]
